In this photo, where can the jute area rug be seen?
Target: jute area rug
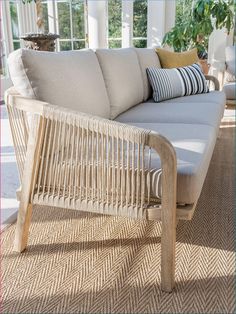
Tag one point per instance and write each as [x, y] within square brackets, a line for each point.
[86, 263]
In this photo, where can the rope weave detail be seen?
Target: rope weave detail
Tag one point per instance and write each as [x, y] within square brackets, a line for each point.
[87, 162]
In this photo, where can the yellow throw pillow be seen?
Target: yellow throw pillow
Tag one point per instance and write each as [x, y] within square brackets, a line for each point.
[169, 59]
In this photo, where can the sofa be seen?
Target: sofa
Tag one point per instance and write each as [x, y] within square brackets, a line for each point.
[88, 136]
[230, 76]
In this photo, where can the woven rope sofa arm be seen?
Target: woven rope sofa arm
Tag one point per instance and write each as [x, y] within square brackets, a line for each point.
[87, 159]
[214, 80]
[74, 160]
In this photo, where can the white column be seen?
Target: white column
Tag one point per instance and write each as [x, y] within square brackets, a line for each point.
[52, 18]
[170, 14]
[97, 24]
[27, 18]
[156, 22]
[6, 31]
[127, 23]
[6, 40]
[161, 18]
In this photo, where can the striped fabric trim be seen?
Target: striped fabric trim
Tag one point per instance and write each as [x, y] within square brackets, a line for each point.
[171, 83]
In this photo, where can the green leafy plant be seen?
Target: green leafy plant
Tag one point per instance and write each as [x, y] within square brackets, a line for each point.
[194, 29]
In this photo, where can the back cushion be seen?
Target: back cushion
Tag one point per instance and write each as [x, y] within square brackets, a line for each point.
[71, 79]
[147, 58]
[123, 78]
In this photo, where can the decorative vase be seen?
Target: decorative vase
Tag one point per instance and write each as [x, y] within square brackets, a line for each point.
[39, 41]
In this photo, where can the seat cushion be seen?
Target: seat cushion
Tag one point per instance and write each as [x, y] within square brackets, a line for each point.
[213, 96]
[230, 90]
[147, 58]
[123, 78]
[186, 113]
[71, 79]
[194, 145]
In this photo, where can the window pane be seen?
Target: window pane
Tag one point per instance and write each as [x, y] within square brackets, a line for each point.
[16, 45]
[114, 18]
[140, 22]
[115, 43]
[2, 58]
[45, 16]
[14, 20]
[79, 45]
[78, 19]
[64, 19]
[140, 43]
[65, 45]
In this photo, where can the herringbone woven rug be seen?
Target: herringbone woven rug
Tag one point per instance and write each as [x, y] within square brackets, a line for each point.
[85, 263]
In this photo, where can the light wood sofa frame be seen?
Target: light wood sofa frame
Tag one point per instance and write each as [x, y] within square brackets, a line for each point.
[73, 160]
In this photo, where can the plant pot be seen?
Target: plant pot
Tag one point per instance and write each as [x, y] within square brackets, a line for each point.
[39, 41]
[204, 65]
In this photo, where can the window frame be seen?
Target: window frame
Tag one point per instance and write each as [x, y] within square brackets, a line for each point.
[54, 27]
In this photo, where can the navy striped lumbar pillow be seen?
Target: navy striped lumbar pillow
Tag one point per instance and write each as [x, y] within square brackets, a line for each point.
[171, 83]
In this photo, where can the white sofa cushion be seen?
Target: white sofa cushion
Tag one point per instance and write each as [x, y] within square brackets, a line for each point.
[123, 78]
[147, 58]
[71, 79]
[194, 145]
[186, 113]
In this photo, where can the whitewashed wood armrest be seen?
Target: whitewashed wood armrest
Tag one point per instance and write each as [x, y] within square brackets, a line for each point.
[214, 80]
[13, 98]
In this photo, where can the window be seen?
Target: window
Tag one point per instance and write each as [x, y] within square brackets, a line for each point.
[10, 33]
[114, 23]
[140, 23]
[45, 15]
[3, 52]
[71, 24]
[14, 24]
[183, 8]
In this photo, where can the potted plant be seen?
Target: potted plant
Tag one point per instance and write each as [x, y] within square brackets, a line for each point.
[41, 40]
[194, 30]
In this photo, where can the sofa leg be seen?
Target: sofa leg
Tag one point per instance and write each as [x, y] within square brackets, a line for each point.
[168, 259]
[168, 242]
[168, 210]
[22, 227]
[30, 171]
